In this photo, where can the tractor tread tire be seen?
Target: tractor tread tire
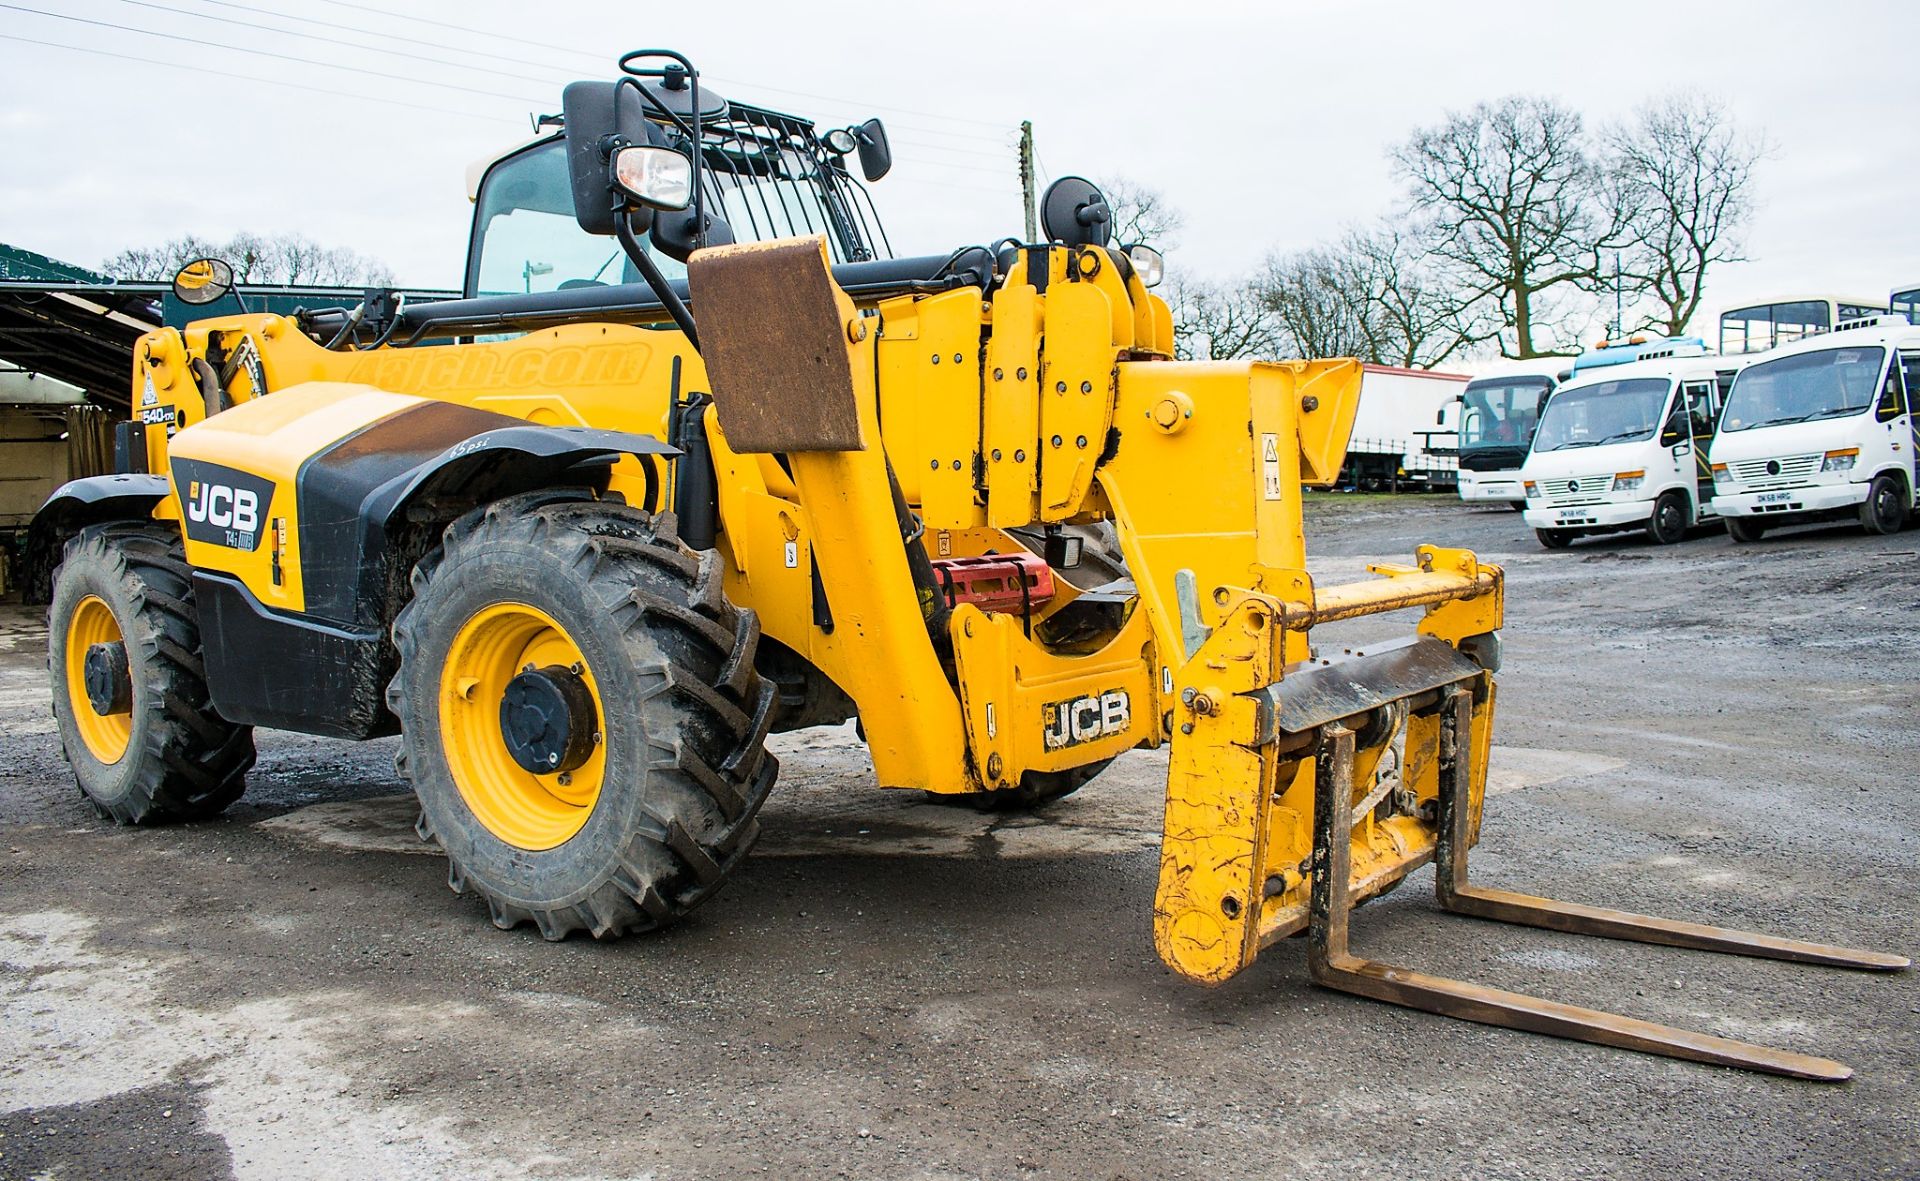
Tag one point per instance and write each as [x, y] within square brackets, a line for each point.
[698, 770]
[183, 760]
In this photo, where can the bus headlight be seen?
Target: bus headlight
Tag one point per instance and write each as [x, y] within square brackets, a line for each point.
[1722, 478]
[1629, 481]
[1532, 489]
[1840, 461]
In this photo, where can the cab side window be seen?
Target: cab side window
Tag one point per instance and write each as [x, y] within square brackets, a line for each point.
[1700, 408]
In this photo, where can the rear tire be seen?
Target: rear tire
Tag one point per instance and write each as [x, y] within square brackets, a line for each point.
[664, 808]
[1555, 538]
[159, 752]
[1744, 530]
[1668, 524]
[1884, 510]
[1037, 789]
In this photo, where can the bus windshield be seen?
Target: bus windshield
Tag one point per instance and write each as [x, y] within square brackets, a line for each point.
[1500, 412]
[1831, 383]
[1604, 412]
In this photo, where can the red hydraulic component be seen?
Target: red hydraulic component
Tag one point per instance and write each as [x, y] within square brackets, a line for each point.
[996, 582]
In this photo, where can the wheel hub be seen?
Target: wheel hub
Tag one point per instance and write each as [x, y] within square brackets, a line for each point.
[547, 720]
[108, 678]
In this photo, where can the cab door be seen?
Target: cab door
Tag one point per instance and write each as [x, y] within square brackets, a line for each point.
[1895, 412]
[1700, 402]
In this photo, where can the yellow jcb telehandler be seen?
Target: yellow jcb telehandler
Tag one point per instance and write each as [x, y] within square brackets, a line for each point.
[694, 460]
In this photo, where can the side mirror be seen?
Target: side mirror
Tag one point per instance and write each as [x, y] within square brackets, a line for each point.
[594, 126]
[876, 155]
[1074, 212]
[203, 281]
[676, 236]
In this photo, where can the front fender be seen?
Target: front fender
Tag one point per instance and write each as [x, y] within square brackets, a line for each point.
[72, 507]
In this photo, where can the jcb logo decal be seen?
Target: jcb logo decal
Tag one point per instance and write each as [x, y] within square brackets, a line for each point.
[222, 506]
[1083, 719]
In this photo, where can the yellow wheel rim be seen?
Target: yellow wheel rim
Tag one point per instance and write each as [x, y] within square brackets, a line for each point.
[106, 735]
[523, 809]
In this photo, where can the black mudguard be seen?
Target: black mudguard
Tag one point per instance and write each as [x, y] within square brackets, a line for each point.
[72, 507]
[370, 505]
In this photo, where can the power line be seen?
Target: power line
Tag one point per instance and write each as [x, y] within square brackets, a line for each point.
[305, 61]
[307, 20]
[203, 70]
[724, 81]
[280, 32]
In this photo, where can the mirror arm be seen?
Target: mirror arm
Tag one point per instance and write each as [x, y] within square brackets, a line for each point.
[643, 262]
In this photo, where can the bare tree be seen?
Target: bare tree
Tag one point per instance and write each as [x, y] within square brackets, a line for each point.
[1231, 315]
[1371, 294]
[280, 259]
[1141, 214]
[1509, 190]
[1680, 183]
[1317, 300]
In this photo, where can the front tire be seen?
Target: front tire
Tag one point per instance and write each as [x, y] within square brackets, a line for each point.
[1555, 538]
[1668, 524]
[129, 681]
[1744, 530]
[1884, 510]
[658, 748]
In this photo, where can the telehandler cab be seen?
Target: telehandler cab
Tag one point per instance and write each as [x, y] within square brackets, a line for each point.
[584, 543]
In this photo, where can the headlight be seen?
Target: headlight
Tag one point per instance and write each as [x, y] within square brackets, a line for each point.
[1721, 475]
[657, 177]
[1840, 461]
[1532, 489]
[1628, 481]
[1148, 264]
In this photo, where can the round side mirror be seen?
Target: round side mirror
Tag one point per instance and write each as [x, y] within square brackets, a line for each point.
[203, 281]
[1074, 212]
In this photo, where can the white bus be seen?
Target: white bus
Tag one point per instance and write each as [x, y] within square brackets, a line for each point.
[1497, 415]
[1906, 302]
[1823, 428]
[1624, 447]
[1765, 326]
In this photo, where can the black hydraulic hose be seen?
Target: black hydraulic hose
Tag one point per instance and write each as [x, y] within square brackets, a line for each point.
[643, 262]
[934, 608]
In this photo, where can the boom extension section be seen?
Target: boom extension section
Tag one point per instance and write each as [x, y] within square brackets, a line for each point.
[1300, 782]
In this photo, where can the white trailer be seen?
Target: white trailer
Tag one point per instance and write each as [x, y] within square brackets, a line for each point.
[1404, 437]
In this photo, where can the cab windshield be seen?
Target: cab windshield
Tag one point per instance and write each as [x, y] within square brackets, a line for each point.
[1831, 383]
[1500, 413]
[764, 173]
[1604, 412]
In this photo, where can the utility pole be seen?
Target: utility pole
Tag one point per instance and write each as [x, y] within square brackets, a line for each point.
[1026, 178]
[1619, 307]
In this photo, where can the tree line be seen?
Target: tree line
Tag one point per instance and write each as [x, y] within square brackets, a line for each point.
[256, 258]
[1517, 229]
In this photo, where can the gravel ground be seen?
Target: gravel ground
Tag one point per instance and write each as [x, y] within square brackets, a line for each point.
[890, 989]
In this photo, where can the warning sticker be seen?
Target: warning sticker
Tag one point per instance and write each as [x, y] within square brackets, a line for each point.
[1270, 465]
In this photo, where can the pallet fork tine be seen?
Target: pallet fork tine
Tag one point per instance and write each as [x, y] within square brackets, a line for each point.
[1334, 966]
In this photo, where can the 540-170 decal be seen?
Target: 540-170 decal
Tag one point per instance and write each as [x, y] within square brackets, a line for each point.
[222, 506]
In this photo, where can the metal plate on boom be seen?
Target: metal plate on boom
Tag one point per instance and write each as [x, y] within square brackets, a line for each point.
[774, 330]
[1314, 694]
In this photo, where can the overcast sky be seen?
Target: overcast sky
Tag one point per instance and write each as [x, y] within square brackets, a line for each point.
[1268, 125]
